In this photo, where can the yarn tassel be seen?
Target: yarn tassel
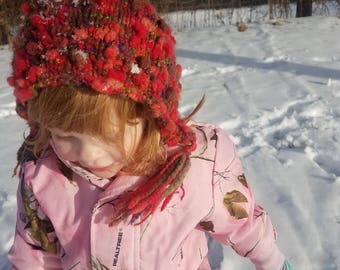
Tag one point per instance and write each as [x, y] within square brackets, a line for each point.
[166, 201]
[148, 189]
[158, 194]
[145, 199]
[142, 190]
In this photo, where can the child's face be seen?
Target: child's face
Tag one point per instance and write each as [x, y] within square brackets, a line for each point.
[92, 153]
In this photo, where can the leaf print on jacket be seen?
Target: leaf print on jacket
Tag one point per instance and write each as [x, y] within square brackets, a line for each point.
[231, 200]
[38, 227]
[243, 180]
[207, 226]
[201, 151]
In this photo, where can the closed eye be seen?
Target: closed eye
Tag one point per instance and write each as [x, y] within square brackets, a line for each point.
[62, 137]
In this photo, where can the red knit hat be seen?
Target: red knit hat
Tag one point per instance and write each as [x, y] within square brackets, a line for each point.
[115, 47]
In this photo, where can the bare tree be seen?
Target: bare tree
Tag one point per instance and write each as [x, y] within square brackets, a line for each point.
[304, 8]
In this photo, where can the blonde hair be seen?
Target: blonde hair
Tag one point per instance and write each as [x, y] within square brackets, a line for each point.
[82, 110]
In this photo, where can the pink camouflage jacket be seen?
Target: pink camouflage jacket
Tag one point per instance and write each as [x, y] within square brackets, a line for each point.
[63, 217]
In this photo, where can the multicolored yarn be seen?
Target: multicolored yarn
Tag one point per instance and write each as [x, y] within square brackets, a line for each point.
[144, 200]
[115, 47]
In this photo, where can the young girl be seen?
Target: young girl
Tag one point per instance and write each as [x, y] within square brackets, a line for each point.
[111, 177]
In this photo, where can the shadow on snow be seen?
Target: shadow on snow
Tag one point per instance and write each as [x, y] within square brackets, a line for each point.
[279, 65]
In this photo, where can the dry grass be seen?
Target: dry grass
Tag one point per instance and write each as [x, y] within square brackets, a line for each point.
[241, 26]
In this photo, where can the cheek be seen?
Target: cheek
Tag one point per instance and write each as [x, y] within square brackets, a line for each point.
[114, 152]
[65, 150]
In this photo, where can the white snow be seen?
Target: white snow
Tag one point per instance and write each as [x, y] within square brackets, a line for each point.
[276, 90]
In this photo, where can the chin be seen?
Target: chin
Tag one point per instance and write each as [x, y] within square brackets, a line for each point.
[104, 175]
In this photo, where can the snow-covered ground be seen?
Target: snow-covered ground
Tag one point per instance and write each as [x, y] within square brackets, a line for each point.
[276, 90]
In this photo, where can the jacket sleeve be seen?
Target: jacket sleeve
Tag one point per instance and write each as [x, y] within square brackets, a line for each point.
[35, 244]
[235, 219]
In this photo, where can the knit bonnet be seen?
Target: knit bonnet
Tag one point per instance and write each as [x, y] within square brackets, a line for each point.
[115, 47]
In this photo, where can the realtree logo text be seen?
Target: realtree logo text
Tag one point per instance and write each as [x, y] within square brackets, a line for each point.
[117, 250]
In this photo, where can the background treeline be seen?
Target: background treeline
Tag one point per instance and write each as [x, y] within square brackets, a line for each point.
[176, 5]
[199, 13]
[204, 13]
[303, 7]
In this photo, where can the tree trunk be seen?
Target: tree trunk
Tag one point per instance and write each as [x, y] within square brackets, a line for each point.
[3, 35]
[304, 8]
